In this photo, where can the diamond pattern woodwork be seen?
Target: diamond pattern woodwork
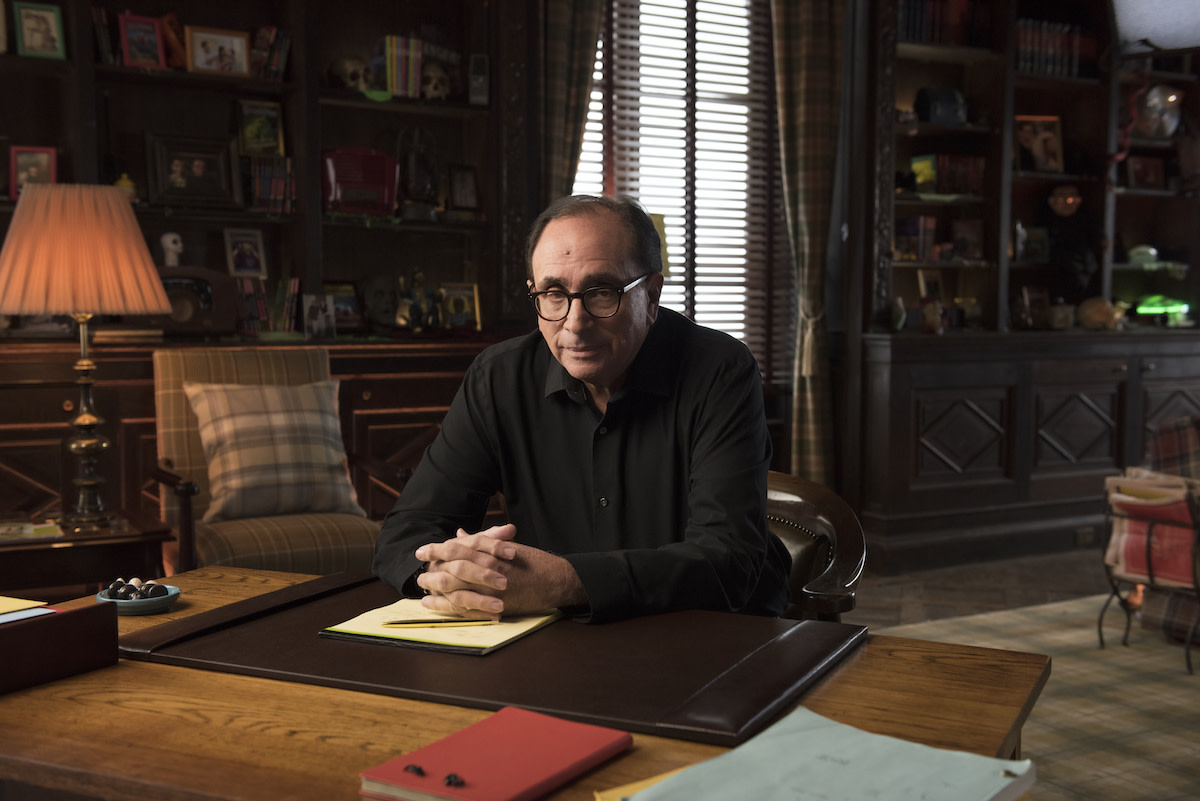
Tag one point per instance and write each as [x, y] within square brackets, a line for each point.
[1076, 427]
[961, 435]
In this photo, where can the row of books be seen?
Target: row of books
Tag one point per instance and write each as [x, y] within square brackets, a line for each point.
[916, 239]
[948, 22]
[948, 173]
[269, 184]
[269, 52]
[401, 57]
[259, 315]
[1055, 49]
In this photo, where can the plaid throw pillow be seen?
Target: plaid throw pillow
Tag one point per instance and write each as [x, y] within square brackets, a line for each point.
[272, 450]
[1176, 447]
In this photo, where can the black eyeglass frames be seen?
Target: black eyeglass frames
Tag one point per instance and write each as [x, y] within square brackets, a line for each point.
[553, 305]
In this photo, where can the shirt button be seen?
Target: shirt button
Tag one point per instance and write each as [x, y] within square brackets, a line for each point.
[603, 430]
[604, 501]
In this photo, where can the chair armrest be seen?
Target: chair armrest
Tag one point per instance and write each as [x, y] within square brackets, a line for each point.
[184, 490]
[819, 510]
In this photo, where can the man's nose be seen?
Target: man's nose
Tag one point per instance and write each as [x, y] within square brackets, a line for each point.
[577, 316]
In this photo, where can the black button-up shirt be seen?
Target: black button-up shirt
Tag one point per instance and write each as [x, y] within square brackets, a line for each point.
[659, 504]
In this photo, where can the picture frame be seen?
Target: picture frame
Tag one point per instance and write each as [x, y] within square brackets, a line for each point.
[1038, 143]
[1145, 172]
[459, 303]
[217, 51]
[260, 127]
[193, 171]
[929, 283]
[245, 254]
[142, 42]
[318, 317]
[39, 30]
[31, 165]
[348, 316]
[464, 187]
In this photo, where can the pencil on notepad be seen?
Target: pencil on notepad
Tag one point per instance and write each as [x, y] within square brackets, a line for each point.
[439, 623]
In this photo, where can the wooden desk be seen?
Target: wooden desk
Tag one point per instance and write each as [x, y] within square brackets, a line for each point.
[144, 730]
[128, 548]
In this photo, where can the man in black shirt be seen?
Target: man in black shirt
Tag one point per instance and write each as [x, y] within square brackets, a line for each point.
[629, 443]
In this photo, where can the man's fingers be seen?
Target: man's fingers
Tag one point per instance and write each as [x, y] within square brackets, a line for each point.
[465, 603]
[444, 576]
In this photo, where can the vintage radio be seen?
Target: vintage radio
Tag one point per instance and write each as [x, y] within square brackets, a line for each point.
[203, 302]
[358, 180]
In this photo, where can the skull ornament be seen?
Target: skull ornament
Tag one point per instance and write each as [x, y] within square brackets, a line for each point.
[350, 72]
[435, 83]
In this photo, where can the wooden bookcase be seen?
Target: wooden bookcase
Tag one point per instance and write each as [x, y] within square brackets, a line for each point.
[97, 117]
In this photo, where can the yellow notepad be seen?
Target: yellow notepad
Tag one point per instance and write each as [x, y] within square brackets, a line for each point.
[443, 633]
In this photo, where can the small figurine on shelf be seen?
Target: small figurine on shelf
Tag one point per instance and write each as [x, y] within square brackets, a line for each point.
[1074, 234]
[172, 246]
[933, 316]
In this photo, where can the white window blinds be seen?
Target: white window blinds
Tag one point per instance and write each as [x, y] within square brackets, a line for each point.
[681, 118]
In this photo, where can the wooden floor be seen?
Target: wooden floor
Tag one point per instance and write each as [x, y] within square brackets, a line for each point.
[981, 587]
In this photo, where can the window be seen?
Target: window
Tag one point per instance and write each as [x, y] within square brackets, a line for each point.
[681, 118]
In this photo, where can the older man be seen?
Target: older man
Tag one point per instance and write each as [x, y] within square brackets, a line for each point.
[629, 443]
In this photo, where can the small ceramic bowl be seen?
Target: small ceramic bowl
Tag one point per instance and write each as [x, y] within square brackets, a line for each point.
[142, 606]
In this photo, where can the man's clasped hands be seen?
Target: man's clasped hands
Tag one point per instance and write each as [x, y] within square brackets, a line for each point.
[489, 574]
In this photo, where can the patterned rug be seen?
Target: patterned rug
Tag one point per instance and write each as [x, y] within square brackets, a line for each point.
[1113, 724]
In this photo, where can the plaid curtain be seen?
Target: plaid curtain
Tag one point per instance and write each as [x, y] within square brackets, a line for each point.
[572, 30]
[808, 56]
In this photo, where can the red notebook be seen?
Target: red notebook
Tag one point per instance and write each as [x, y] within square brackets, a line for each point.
[513, 755]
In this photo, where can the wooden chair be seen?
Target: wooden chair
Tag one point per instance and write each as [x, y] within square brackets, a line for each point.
[826, 541]
[307, 541]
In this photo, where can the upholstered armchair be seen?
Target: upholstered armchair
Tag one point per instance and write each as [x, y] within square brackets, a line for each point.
[250, 452]
[826, 541]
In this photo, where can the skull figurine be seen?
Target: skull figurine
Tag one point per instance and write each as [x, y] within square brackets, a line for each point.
[435, 83]
[350, 72]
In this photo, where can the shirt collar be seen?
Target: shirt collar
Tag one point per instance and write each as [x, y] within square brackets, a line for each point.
[653, 370]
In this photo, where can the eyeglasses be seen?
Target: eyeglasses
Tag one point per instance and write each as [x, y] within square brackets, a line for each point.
[598, 301]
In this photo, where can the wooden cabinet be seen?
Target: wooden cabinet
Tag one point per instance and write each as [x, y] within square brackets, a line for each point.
[993, 438]
[391, 396]
[985, 445]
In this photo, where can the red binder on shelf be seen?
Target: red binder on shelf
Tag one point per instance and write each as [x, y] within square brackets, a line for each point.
[513, 755]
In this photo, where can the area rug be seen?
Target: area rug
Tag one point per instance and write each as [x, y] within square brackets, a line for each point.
[1120, 723]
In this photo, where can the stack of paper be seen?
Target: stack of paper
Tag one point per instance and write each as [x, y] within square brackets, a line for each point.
[807, 757]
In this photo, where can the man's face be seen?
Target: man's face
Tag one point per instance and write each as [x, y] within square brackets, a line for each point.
[577, 253]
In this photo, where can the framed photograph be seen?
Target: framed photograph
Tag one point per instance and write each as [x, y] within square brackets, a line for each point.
[464, 189]
[348, 315]
[245, 255]
[191, 171]
[1145, 172]
[142, 42]
[929, 284]
[1039, 143]
[460, 305]
[30, 165]
[39, 30]
[318, 317]
[217, 51]
[260, 127]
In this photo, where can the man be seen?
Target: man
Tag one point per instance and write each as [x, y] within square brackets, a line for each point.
[629, 443]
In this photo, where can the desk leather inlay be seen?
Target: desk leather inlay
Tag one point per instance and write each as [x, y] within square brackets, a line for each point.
[706, 676]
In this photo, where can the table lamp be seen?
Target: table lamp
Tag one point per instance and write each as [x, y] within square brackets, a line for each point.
[77, 249]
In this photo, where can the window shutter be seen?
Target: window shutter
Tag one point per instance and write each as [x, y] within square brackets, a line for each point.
[681, 118]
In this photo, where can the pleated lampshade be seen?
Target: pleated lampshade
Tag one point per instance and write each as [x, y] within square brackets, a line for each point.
[77, 248]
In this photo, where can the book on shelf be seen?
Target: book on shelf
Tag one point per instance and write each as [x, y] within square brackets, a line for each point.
[512, 755]
[915, 237]
[269, 185]
[407, 622]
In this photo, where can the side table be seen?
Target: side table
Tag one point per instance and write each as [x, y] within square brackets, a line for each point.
[129, 547]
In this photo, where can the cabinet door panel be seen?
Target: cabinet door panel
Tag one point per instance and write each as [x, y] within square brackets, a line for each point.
[34, 469]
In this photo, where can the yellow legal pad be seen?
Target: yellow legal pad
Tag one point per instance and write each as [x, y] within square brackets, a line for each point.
[441, 632]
